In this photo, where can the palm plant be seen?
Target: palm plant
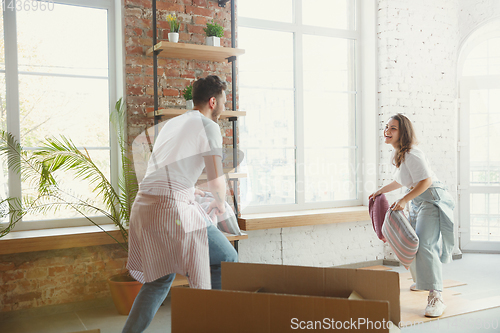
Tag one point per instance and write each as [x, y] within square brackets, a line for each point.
[39, 169]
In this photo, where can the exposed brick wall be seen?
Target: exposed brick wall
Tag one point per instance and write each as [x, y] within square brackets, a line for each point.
[474, 13]
[173, 74]
[418, 44]
[417, 49]
[319, 245]
[37, 279]
[34, 279]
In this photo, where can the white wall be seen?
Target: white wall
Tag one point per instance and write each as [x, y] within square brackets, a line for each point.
[474, 13]
[320, 245]
[417, 50]
[417, 70]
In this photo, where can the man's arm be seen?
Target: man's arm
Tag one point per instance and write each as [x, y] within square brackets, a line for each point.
[216, 182]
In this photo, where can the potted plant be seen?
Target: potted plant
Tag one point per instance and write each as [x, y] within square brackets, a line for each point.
[39, 170]
[188, 96]
[214, 33]
[173, 35]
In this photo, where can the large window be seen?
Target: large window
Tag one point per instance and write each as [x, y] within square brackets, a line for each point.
[59, 82]
[298, 84]
[479, 152]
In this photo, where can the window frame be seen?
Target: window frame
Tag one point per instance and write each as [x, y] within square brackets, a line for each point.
[116, 89]
[465, 188]
[368, 128]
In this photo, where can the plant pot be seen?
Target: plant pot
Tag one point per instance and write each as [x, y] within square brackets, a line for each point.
[173, 37]
[189, 104]
[212, 41]
[124, 289]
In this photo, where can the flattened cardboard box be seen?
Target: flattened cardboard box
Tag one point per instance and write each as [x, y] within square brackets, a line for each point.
[260, 298]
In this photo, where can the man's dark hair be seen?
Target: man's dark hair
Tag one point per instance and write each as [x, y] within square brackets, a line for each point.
[206, 88]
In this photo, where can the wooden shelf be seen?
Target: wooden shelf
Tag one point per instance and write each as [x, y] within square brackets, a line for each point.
[177, 112]
[193, 51]
[233, 238]
[303, 218]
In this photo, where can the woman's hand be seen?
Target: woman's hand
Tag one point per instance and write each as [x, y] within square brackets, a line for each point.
[400, 204]
[374, 195]
[387, 188]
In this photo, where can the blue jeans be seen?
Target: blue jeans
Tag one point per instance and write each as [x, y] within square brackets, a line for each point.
[152, 294]
[426, 218]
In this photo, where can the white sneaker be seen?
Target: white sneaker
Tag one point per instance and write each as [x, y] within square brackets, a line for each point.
[413, 287]
[435, 305]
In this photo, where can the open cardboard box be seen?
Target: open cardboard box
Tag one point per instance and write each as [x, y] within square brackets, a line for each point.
[259, 298]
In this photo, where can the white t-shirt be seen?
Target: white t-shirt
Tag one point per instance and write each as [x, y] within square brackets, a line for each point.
[413, 169]
[179, 150]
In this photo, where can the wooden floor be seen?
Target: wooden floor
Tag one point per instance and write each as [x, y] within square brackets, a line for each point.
[413, 302]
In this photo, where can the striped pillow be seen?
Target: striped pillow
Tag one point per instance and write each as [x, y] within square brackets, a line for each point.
[400, 236]
[226, 222]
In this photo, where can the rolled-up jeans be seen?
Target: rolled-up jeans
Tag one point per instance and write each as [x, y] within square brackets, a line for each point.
[152, 294]
[426, 269]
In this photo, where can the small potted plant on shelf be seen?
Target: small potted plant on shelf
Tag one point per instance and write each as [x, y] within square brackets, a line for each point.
[214, 33]
[173, 35]
[188, 96]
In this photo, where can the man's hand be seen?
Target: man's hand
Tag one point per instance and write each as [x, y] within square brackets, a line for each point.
[218, 208]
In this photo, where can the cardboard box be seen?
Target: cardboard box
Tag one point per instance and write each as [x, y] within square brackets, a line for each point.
[259, 298]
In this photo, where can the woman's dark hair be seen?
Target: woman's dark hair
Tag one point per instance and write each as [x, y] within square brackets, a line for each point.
[206, 88]
[407, 138]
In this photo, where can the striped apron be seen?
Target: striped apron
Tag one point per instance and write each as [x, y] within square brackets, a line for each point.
[168, 235]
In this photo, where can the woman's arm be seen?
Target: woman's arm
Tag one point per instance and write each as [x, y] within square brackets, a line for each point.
[420, 188]
[387, 188]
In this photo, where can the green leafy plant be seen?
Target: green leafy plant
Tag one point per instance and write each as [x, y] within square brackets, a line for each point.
[39, 169]
[213, 29]
[188, 93]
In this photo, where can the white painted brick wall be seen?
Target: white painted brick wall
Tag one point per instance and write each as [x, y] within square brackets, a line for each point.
[417, 45]
[418, 42]
[319, 245]
[473, 13]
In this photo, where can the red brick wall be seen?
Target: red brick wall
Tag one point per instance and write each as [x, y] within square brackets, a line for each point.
[173, 74]
[37, 279]
[34, 279]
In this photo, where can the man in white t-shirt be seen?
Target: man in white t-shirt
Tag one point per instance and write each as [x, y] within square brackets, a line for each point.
[169, 231]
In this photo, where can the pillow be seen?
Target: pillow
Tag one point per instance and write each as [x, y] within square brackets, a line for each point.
[377, 208]
[226, 222]
[400, 236]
